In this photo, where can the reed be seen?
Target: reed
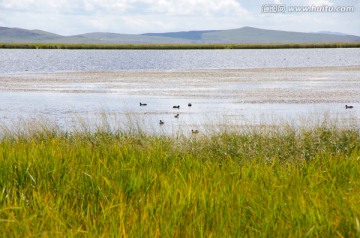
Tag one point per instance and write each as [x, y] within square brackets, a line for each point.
[283, 182]
[174, 46]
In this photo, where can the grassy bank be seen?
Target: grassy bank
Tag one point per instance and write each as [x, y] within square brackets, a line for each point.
[255, 183]
[173, 46]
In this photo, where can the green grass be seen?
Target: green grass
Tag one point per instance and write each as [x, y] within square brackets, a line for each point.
[283, 182]
[174, 46]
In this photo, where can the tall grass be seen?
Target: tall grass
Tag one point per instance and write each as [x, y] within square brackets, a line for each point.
[257, 183]
[175, 46]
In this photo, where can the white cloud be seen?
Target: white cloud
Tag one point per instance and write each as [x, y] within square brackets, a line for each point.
[172, 7]
[319, 3]
[143, 24]
[197, 7]
[26, 4]
[139, 16]
[109, 5]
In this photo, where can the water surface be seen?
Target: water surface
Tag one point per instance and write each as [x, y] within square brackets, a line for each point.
[14, 61]
[235, 98]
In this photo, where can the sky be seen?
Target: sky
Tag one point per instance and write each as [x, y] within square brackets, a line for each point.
[71, 17]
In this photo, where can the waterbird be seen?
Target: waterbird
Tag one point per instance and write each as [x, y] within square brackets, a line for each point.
[177, 115]
[189, 104]
[194, 131]
[348, 107]
[178, 106]
[142, 104]
[161, 122]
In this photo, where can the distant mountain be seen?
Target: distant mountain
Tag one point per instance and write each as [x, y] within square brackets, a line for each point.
[114, 38]
[332, 33]
[250, 35]
[189, 35]
[245, 35]
[22, 35]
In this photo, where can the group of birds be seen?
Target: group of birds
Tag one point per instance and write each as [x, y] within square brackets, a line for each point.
[189, 105]
[176, 115]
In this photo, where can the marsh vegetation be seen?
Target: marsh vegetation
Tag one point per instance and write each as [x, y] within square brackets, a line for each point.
[280, 182]
[175, 46]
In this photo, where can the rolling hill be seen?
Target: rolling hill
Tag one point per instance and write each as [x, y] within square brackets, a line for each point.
[245, 35]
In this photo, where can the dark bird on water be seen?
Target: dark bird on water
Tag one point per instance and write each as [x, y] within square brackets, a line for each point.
[161, 122]
[189, 104]
[194, 131]
[177, 115]
[178, 106]
[348, 107]
[143, 104]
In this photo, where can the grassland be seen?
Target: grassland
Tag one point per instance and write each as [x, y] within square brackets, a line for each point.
[283, 182]
[173, 46]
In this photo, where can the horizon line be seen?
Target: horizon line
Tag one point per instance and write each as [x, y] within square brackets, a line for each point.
[183, 31]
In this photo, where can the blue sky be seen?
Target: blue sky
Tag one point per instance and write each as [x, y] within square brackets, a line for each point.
[69, 17]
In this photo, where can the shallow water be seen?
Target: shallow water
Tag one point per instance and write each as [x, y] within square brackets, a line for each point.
[220, 98]
[67, 110]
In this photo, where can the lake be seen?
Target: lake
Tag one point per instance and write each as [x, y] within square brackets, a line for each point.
[235, 88]
[45, 61]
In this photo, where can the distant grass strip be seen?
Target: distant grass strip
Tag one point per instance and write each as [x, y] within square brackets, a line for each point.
[174, 46]
[255, 183]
